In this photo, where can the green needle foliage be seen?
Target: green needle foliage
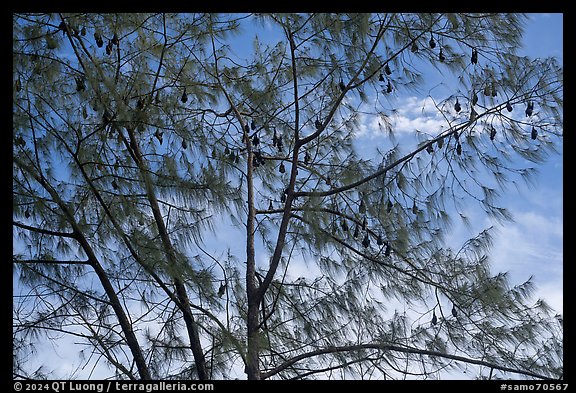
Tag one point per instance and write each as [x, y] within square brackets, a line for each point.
[173, 173]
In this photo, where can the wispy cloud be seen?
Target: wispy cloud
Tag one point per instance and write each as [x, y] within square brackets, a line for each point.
[529, 246]
[412, 115]
[532, 246]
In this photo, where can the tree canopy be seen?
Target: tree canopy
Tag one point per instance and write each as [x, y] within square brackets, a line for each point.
[147, 146]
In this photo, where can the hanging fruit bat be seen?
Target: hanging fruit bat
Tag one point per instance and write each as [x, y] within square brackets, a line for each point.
[364, 224]
[253, 125]
[328, 180]
[457, 106]
[492, 133]
[158, 134]
[473, 114]
[184, 144]
[283, 198]
[389, 87]
[379, 240]
[366, 241]
[106, 117]
[306, 158]
[99, 41]
[226, 151]
[454, 311]
[318, 123]
[222, 289]
[362, 207]
[474, 98]
[529, 108]
[80, 86]
[487, 92]
[258, 160]
[494, 90]
[474, 58]
[387, 69]
[109, 48]
[388, 249]
[281, 168]
[184, 97]
[114, 184]
[83, 31]
[115, 40]
[432, 43]
[441, 56]
[270, 207]
[381, 78]
[27, 213]
[274, 139]
[255, 140]
[279, 143]
[334, 228]
[440, 143]
[342, 85]
[509, 107]
[414, 208]
[356, 232]
[414, 47]
[459, 149]
[534, 133]
[389, 207]
[434, 318]
[344, 226]
[430, 149]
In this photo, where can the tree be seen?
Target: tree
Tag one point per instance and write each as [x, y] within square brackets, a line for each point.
[138, 138]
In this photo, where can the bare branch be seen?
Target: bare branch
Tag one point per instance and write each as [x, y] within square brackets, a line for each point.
[395, 348]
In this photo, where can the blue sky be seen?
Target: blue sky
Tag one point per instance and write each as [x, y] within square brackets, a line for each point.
[533, 243]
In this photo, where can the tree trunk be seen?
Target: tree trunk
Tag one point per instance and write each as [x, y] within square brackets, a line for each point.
[125, 324]
[252, 368]
[184, 301]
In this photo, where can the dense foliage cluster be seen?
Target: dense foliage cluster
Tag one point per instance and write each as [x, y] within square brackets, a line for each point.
[147, 145]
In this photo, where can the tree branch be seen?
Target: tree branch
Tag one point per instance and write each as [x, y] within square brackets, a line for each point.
[70, 235]
[51, 262]
[382, 171]
[395, 348]
[129, 334]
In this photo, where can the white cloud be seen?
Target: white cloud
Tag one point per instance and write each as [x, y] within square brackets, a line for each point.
[529, 246]
[429, 125]
[412, 114]
[532, 246]
[553, 293]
